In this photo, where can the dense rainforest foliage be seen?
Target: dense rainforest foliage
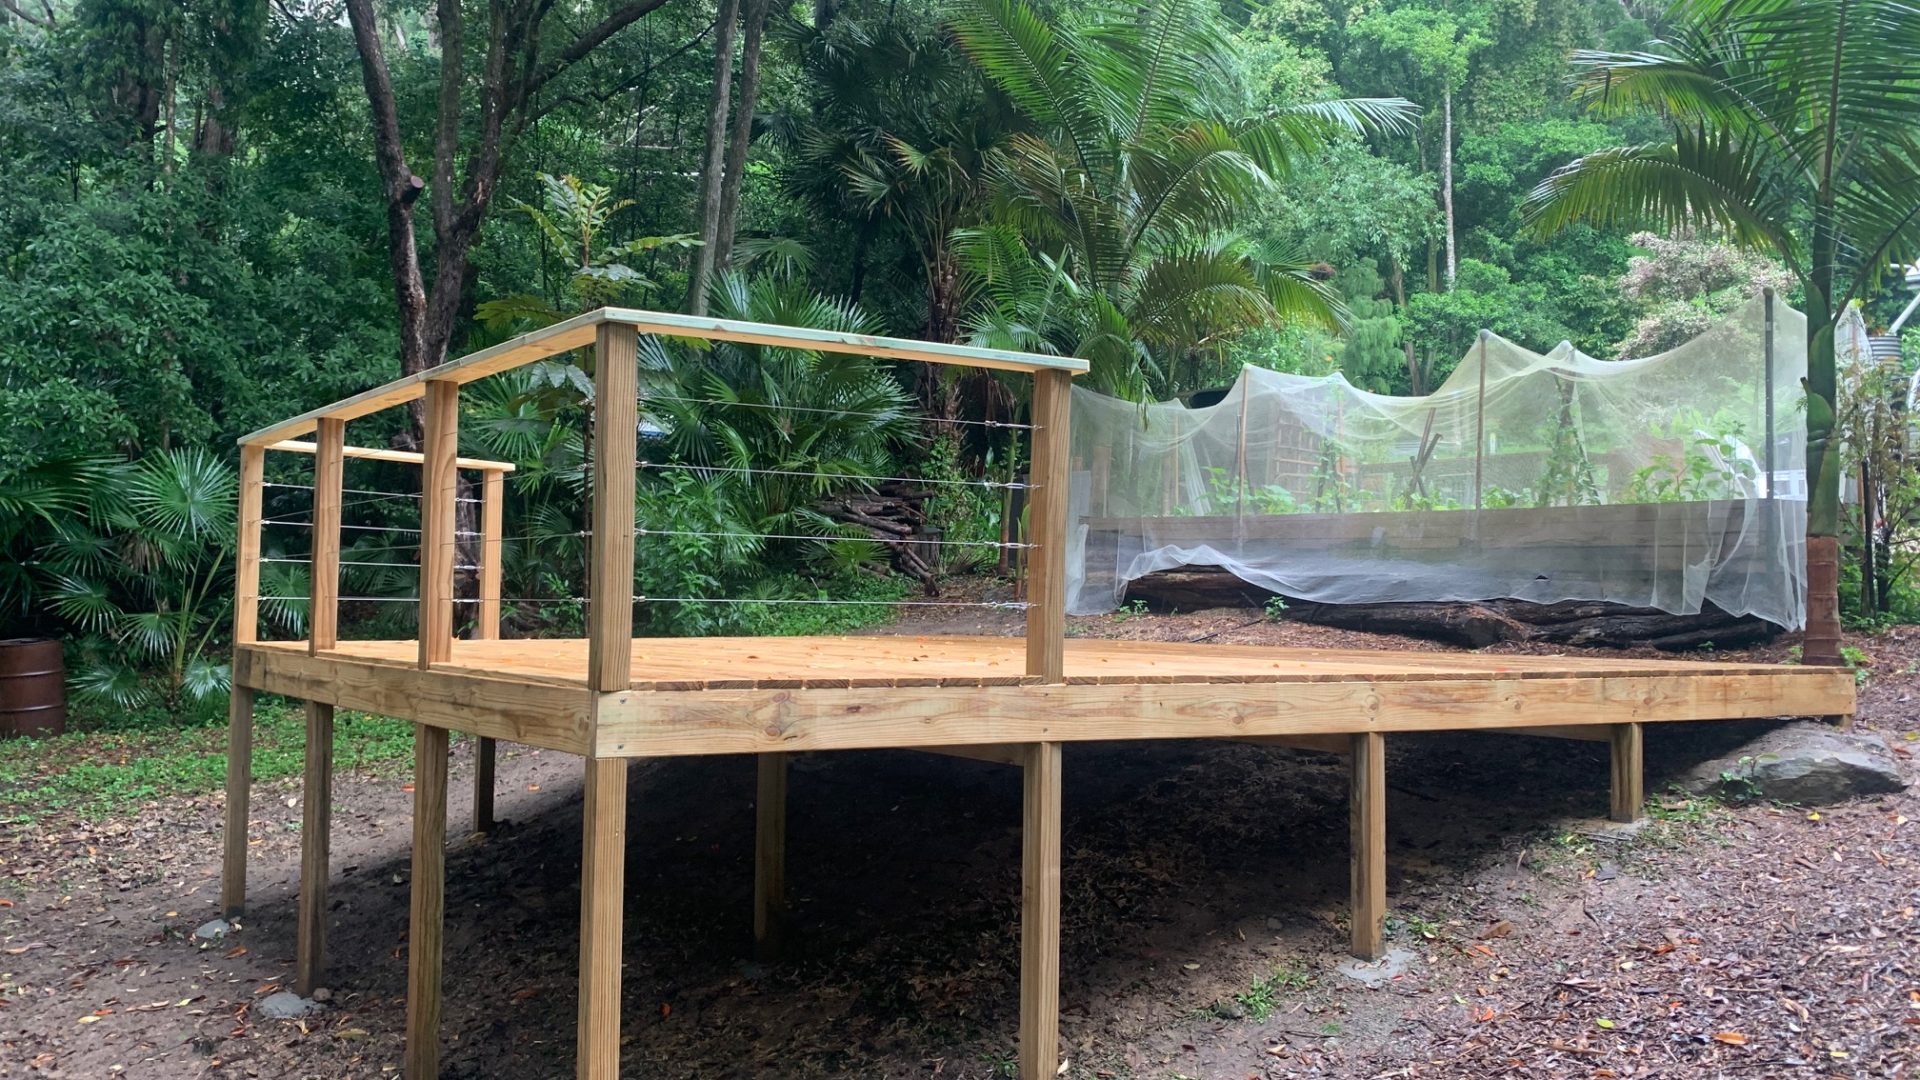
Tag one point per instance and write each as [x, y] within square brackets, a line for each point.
[220, 213]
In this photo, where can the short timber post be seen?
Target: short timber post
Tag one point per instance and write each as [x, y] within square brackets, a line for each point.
[1039, 1048]
[487, 628]
[316, 821]
[246, 629]
[770, 857]
[1629, 771]
[1367, 825]
[609, 670]
[427, 912]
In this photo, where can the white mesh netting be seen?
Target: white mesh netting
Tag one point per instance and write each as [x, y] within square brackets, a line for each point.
[1664, 482]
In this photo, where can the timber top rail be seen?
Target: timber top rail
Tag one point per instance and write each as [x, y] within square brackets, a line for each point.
[609, 697]
[579, 332]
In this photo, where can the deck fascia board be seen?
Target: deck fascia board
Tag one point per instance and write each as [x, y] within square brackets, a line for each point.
[535, 712]
[650, 723]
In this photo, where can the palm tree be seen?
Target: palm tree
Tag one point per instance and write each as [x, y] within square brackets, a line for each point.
[1138, 158]
[1796, 131]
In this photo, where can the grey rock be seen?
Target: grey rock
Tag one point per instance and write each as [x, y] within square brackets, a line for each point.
[213, 931]
[1395, 963]
[1229, 1010]
[322, 995]
[1809, 764]
[284, 1005]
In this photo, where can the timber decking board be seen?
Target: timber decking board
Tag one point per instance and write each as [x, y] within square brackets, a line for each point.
[693, 664]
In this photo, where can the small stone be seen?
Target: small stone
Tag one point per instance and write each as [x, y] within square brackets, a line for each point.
[322, 995]
[1275, 923]
[1229, 1010]
[284, 1005]
[213, 931]
[1606, 872]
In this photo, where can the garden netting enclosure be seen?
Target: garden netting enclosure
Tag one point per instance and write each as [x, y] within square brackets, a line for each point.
[1669, 482]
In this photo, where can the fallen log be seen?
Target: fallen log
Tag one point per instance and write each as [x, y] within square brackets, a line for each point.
[1475, 624]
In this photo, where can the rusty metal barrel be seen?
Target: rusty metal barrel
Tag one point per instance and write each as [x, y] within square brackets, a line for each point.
[33, 688]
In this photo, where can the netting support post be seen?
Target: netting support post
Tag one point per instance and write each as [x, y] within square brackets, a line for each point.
[1480, 422]
[1367, 842]
[1766, 354]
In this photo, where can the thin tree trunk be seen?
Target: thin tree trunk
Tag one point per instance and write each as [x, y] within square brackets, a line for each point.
[1822, 640]
[713, 161]
[1397, 278]
[754, 29]
[1446, 181]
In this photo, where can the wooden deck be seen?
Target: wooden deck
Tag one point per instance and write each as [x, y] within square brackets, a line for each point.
[757, 695]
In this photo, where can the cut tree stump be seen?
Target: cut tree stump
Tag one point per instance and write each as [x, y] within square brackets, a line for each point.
[1475, 624]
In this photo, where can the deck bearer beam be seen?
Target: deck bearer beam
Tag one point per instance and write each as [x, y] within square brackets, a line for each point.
[1039, 1049]
[1367, 824]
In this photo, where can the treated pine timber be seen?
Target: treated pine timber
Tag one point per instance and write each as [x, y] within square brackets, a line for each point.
[602, 892]
[1367, 840]
[1039, 1047]
[486, 627]
[246, 628]
[770, 857]
[581, 330]
[324, 568]
[316, 843]
[1628, 759]
[426, 916]
[439, 494]
[402, 457]
[544, 714]
[1047, 525]
[616, 424]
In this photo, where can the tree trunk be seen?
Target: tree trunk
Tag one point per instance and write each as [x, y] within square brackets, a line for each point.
[753, 30]
[713, 160]
[1446, 182]
[1398, 279]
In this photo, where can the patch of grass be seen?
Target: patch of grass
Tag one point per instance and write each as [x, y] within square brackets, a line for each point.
[1264, 996]
[115, 770]
[805, 620]
[1414, 926]
[1136, 609]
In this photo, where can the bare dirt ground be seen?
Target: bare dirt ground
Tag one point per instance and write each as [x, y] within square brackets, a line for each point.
[1205, 900]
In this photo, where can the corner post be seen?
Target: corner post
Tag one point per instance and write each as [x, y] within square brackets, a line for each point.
[427, 911]
[246, 630]
[1367, 842]
[770, 858]
[1039, 1047]
[609, 670]
[316, 810]
[487, 628]
[1047, 525]
[1627, 742]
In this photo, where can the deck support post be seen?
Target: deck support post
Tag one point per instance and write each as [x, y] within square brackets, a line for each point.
[316, 845]
[770, 858]
[1047, 525]
[233, 882]
[487, 628]
[1039, 1048]
[602, 893]
[1367, 824]
[426, 915]
[1629, 772]
[246, 628]
[323, 634]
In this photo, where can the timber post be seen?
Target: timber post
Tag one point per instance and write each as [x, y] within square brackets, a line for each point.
[246, 629]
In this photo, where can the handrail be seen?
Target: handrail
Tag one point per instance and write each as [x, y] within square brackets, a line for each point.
[404, 457]
[580, 330]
